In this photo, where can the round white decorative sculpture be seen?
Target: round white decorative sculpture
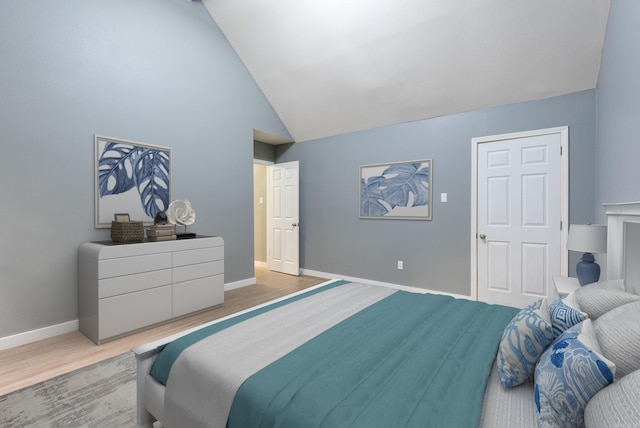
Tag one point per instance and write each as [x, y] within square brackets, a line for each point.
[180, 212]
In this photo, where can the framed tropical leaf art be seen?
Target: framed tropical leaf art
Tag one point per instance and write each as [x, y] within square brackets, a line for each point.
[130, 177]
[396, 190]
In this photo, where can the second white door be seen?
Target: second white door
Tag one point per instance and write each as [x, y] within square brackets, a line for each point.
[283, 223]
[519, 213]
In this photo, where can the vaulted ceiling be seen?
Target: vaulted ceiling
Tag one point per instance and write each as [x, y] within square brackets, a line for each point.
[330, 67]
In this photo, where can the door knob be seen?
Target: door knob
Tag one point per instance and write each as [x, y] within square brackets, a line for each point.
[483, 236]
[295, 224]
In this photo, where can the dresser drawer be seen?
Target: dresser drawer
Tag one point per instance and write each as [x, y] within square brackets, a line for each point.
[109, 287]
[127, 265]
[127, 312]
[187, 273]
[198, 294]
[200, 255]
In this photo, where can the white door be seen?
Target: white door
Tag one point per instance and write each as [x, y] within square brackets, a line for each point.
[521, 207]
[283, 223]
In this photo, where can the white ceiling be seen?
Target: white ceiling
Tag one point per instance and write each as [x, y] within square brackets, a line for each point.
[334, 66]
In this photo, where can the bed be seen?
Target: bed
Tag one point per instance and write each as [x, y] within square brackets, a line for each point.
[360, 355]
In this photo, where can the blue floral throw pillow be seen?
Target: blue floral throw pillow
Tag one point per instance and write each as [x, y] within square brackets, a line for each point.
[523, 341]
[568, 374]
[565, 313]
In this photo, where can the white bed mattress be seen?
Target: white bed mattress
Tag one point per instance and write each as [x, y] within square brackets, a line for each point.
[501, 407]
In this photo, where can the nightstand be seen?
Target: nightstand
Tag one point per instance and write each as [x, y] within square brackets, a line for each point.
[565, 284]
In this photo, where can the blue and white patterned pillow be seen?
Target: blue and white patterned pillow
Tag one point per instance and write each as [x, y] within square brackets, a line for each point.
[565, 313]
[523, 341]
[568, 374]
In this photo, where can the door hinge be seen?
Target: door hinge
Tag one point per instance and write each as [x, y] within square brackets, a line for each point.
[560, 150]
[560, 224]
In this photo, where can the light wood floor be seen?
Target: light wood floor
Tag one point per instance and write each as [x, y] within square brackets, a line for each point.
[35, 362]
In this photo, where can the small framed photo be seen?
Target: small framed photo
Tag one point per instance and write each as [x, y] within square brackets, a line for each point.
[121, 217]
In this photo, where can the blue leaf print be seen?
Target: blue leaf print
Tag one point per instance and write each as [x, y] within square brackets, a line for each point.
[151, 173]
[371, 196]
[557, 353]
[122, 167]
[115, 169]
[406, 179]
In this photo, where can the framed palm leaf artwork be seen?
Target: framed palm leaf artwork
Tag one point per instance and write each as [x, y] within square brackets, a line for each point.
[396, 190]
[130, 177]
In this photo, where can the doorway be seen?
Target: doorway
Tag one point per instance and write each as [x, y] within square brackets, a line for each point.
[276, 200]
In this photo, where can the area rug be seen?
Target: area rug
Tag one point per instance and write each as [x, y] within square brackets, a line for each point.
[100, 395]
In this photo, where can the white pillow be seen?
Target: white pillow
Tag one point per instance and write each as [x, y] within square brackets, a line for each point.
[613, 284]
[524, 339]
[569, 373]
[617, 405]
[600, 297]
[618, 333]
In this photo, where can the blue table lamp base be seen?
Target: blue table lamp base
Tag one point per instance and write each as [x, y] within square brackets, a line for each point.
[587, 269]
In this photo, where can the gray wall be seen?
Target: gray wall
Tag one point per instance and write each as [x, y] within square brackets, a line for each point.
[161, 72]
[436, 253]
[618, 148]
[154, 71]
[264, 151]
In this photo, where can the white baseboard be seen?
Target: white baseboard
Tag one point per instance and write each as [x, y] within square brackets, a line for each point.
[39, 334]
[67, 327]
[238, 284]
[264, 265]
[383, 284]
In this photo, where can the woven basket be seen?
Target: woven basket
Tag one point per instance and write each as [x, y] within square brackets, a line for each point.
[127, 232]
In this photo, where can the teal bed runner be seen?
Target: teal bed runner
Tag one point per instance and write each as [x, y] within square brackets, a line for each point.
[409, 360]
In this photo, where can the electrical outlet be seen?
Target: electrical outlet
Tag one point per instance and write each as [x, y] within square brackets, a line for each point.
[400, 264]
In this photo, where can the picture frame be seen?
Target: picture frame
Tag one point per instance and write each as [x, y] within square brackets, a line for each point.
[121, 217]
[131, 178]
[396, 190]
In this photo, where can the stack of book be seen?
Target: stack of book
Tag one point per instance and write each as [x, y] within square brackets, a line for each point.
[161, 232]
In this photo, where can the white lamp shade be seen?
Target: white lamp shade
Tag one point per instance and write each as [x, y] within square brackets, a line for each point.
[587, 238]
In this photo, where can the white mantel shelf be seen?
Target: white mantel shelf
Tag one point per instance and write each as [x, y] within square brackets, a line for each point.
[623, 208]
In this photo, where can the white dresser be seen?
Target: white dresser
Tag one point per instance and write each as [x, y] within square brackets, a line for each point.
[125, 287]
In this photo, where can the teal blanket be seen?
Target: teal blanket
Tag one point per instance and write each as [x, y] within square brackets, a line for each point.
[409, 360]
